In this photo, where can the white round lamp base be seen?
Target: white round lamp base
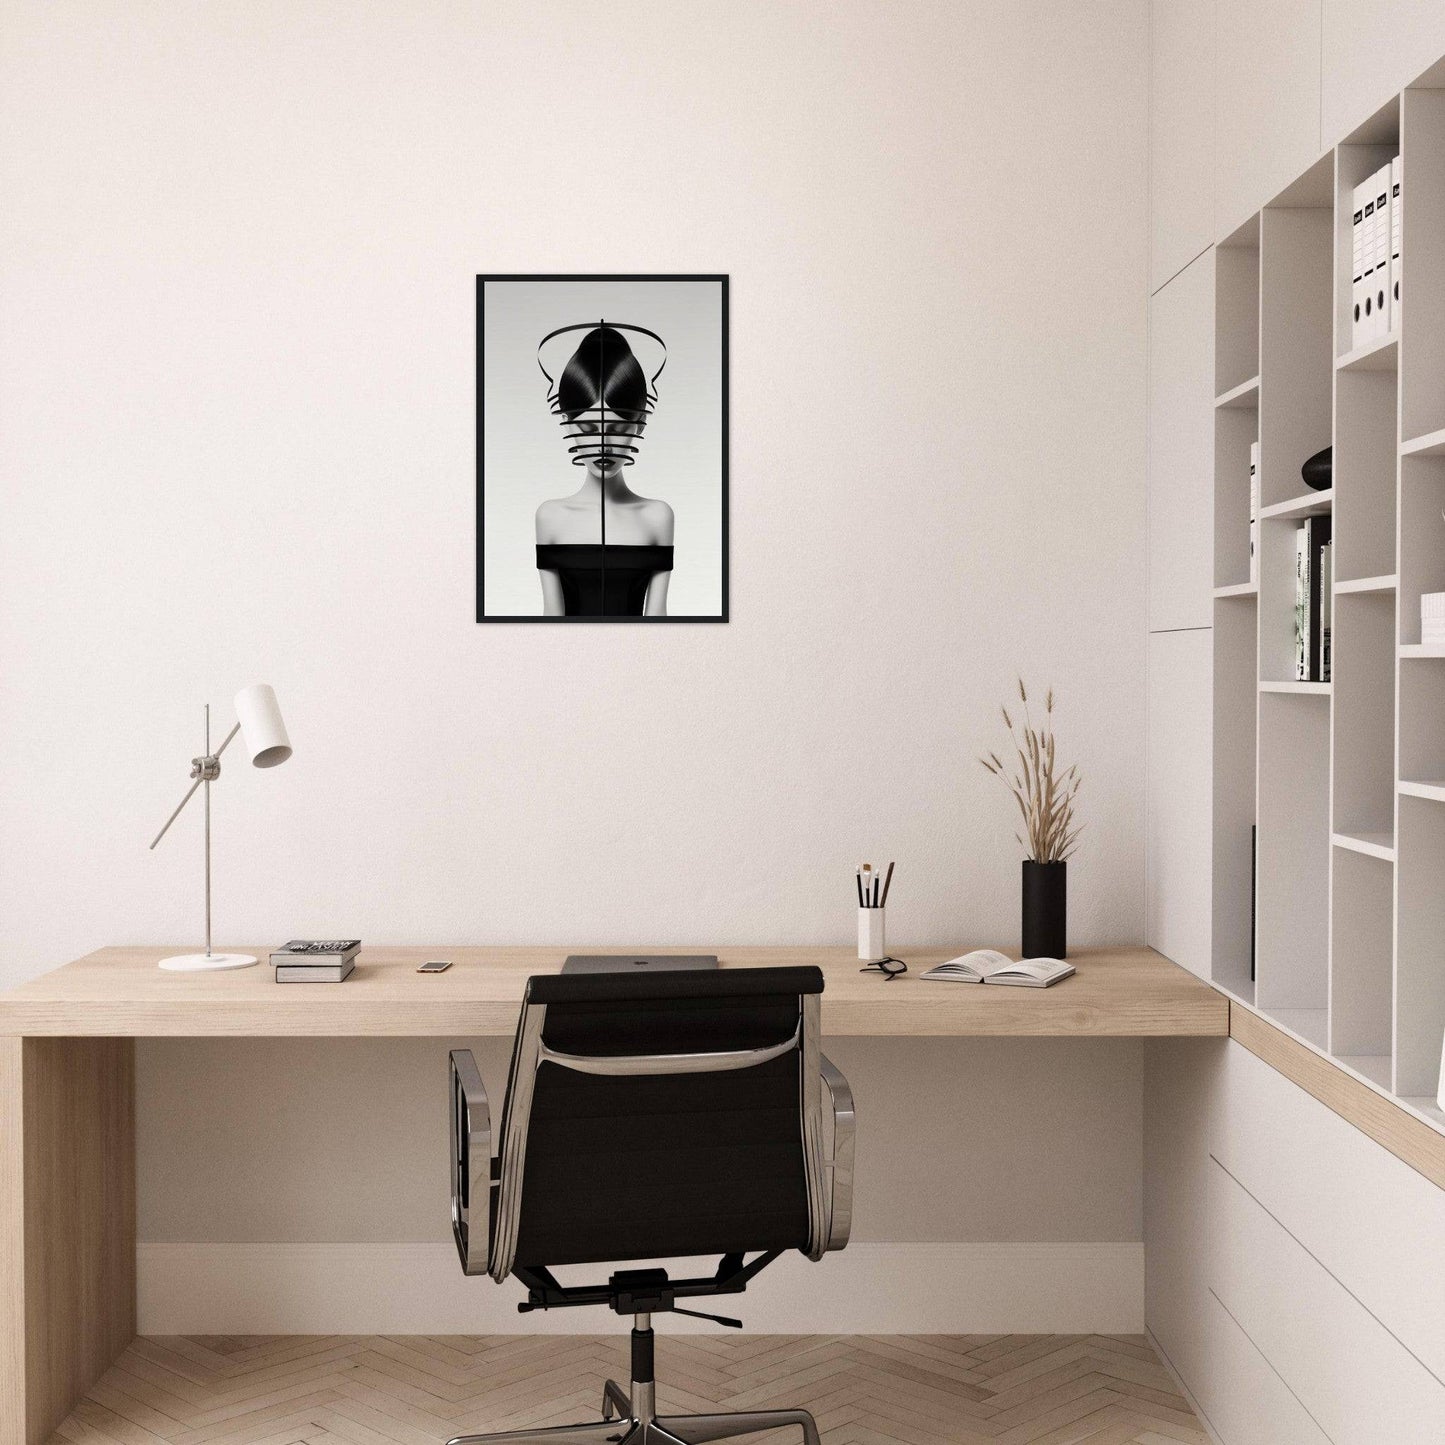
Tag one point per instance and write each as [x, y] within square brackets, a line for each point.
[206, 962]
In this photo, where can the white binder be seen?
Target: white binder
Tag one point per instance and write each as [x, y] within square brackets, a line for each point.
[1367, 265]
[1397, 222]
[1380, 275]
[1357, 266]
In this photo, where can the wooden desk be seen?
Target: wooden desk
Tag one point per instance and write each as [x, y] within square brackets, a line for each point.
[67, 1112]
[1131, 992]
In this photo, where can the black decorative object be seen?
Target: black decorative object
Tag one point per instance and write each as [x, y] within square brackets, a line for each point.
[1319, 471]
[1045, 909]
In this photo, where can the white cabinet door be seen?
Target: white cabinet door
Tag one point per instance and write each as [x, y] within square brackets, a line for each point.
[1181, 450]
[1372, 48]
[1266, 99]
[1179, 802]
[1181, 135]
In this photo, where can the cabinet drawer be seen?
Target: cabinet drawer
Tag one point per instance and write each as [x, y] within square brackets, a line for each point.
[1374, 1223]
[1348, 1371]
[1245, 1401]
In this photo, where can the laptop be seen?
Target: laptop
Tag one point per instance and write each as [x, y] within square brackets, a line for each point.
[637, 962]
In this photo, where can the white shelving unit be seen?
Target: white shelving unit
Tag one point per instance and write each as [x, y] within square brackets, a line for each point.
[1329, 797]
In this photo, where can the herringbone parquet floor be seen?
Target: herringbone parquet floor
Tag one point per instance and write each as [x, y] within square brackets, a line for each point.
[420, 1390]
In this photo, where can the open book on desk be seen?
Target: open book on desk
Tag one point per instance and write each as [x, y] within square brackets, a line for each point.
[987, 965]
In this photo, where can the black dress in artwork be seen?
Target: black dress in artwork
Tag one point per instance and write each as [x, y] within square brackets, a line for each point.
[600, 581]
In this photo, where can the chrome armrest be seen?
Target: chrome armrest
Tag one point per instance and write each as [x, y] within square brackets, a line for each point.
[471, 1135]
[839, 1164]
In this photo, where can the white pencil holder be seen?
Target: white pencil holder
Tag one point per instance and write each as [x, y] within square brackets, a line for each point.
[871, 946]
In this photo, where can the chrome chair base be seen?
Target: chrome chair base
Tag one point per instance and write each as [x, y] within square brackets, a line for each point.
[629, 1426]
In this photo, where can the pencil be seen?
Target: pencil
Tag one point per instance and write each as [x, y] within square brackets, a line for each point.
[887, 883]
[858, 879]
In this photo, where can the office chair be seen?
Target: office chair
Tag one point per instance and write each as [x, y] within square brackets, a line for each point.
[650, 1117]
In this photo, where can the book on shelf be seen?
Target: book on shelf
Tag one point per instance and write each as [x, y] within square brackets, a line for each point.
[1310, 608]
[315, 972]
[316, 952]
[1254, 512]
[1301, 606]
[987, 965]
[1326, 607]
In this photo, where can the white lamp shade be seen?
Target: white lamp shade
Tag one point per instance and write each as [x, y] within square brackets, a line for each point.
[262, 730]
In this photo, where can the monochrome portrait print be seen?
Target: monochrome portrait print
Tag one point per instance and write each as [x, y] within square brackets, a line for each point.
[602, 449]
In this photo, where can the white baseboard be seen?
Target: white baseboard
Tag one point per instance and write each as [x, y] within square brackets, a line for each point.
[305, 1289]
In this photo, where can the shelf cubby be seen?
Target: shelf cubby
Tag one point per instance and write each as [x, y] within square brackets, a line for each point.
[1294, 852]
[1364, 708]
[1420, 959]
[1236, 291]
[1365, 460]
[1422, 721]
[1296, 329]
[1235, 749]
[1357, 158]
[1276, 602]
[1422, 537]
[1362, 950]
[1235, 428]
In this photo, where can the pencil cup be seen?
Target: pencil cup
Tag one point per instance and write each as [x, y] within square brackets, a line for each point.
[870, 935]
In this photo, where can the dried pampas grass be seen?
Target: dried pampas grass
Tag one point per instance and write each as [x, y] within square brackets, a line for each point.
[1045, 797]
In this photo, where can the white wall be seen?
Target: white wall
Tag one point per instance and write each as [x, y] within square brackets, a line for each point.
[239, 243]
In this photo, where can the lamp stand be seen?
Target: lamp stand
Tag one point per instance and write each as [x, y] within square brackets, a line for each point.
[205, 770]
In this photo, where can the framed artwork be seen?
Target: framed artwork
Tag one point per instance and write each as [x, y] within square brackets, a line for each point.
[602, 455]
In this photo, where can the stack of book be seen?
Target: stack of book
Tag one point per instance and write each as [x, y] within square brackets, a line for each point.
[1313, 583]
[1376, 225]
[315, 960]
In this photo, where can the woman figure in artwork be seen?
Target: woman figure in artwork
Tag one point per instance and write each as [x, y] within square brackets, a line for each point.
[603, 551]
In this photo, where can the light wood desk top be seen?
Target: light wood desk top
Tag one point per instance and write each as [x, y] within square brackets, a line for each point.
[1117, 992]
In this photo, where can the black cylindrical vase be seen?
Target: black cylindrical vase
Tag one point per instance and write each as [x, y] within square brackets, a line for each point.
[1045, 909]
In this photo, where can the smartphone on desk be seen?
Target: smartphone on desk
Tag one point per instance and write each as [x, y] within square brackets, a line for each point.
[435, 965]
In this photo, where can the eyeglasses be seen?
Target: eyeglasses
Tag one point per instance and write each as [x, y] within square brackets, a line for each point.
[890, 968]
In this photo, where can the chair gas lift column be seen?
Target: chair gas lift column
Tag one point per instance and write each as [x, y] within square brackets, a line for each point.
[651, 1118]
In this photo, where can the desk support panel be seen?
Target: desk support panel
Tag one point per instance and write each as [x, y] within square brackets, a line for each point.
[67, 1224]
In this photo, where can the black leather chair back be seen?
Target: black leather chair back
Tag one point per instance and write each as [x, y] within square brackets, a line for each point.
[702, 1152]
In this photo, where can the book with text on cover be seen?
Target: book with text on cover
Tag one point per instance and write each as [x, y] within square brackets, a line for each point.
[317, 951]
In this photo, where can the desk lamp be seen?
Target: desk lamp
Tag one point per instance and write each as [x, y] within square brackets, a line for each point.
[258, 720]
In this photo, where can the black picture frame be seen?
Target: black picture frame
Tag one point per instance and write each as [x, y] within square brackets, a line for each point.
[485, 279]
